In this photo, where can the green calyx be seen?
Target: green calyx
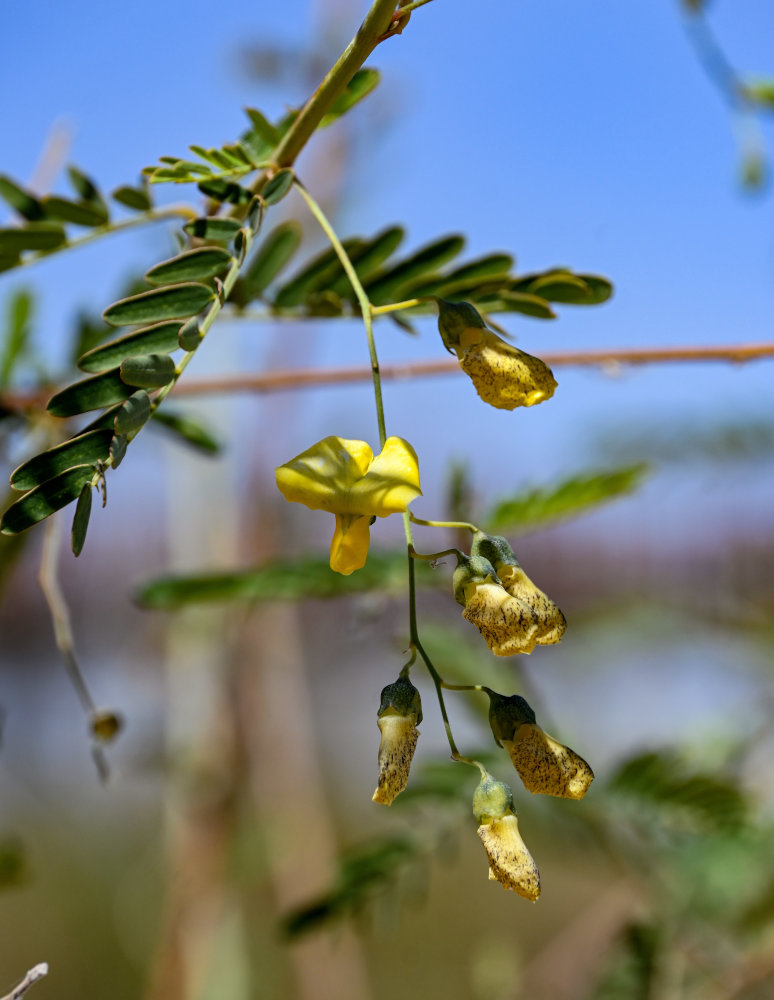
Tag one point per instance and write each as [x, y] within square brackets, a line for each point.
[471, 569]
[401, 698]
[492, 799]
[453, 318]
[495, 548]
[507, 714]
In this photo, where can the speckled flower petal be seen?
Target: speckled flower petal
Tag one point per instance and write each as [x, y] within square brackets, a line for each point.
[508, 625]
[546, 766]
[551, 623]
[396, 750]
[509, 860]
[504, 376]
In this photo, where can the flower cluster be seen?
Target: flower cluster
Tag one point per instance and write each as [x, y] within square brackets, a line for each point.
[498, 597]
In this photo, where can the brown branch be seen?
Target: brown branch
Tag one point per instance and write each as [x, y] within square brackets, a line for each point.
[30, 979]
[299, 378]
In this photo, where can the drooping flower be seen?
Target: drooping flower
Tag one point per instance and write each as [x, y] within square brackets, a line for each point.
[510, 863]
[544, 764]
[344, 478]
[399, 715]
[508, 625]
[502, 375]
[551, 623]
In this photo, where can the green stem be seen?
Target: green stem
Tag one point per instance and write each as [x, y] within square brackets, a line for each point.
[396, 306]
[464, 687]
[375, 25]
[154, 215]
[406, 8]
[444, 524]
[363, 301]
[431, 556]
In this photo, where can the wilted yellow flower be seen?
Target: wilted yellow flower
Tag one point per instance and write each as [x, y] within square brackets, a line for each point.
[400, 713]
[547, 766]
[544, 765]
[550, 621]
[508, 625]
[510, 863]
[502, 375]
[344, 478]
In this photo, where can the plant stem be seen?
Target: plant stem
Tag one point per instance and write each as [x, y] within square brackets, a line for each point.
[363, 301]
[396, 306]
[444, 524]
[432, 556]
[406, 8]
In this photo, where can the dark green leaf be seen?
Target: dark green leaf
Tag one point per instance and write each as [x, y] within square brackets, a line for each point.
[237, 153]
[486, 271]
[35, 236]
[45, 499]
[255, 214]
[225, 191]
[361, 84]
[520, 302]
[271, 257]
[205, 262]
[189, 430]
[287, 580]
[118, 450]
[85, 449]
[368, 258]
[189, 167]
[135, 198]
[267, 132]
[190, 335]
[163, 337]
[173, 302]
[175, 175]
[562, 286]
[89, 394]
[601, 288]
[81, 520]
[9, 261]
[26, 204]
[16, 335]
[215, 156]
[278, 186]
[149, 371]
[213, 228]
[83, 185]
[80, 213]
[535, 508]
[134, 413]
[388, 286]
[318, 273]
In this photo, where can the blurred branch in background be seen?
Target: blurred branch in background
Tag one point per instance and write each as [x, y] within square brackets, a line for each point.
[30, 979]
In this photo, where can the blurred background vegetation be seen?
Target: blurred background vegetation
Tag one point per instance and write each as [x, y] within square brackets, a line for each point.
[234, 850]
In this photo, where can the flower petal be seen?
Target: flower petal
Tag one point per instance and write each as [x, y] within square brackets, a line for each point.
[350, 542]
[391, 483]
[509, 860]
[396, 750]
[322, 476]
[550, 620]
[504, 376]
[547, 766]
[508, 625]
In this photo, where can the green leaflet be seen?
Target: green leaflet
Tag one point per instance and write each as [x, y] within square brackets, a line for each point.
[85, 449]
[26, 204]
[83, 186]
[148, 371]
[315, 276]
[276, 189]
[172, 302]
[90, 394]
[81, 519]
[16, 334]
[360, 86]
[390, 286]
[188, 430]
[133, 414]
[535, 508]
[288, 580]
[263, 127]
[228, 191]
[80, 213]
[131, 197]
[271, 257]
[162, 337]
[205, 262]
[468, 278]
[45, 499]
[35, 236]
[368, 258]
[520, 302]
[213, 228]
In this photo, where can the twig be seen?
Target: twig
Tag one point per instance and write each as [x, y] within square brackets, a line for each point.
[30, 979]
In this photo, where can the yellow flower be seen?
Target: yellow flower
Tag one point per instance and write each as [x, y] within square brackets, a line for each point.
[549, 620]
[399, 714]
[344, 478]
[502, 375]
[508, 625]
[510, 863]
[544, 765]
[547, 766]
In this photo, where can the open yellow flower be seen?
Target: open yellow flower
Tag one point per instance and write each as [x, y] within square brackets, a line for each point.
[344, 478]
[502, 375]
[510, 863]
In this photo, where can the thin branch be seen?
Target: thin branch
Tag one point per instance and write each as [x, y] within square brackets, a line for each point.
[30, 979]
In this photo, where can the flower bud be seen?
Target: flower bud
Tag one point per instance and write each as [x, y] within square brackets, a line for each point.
[399, 715]
[510, 863]
[509, 626]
